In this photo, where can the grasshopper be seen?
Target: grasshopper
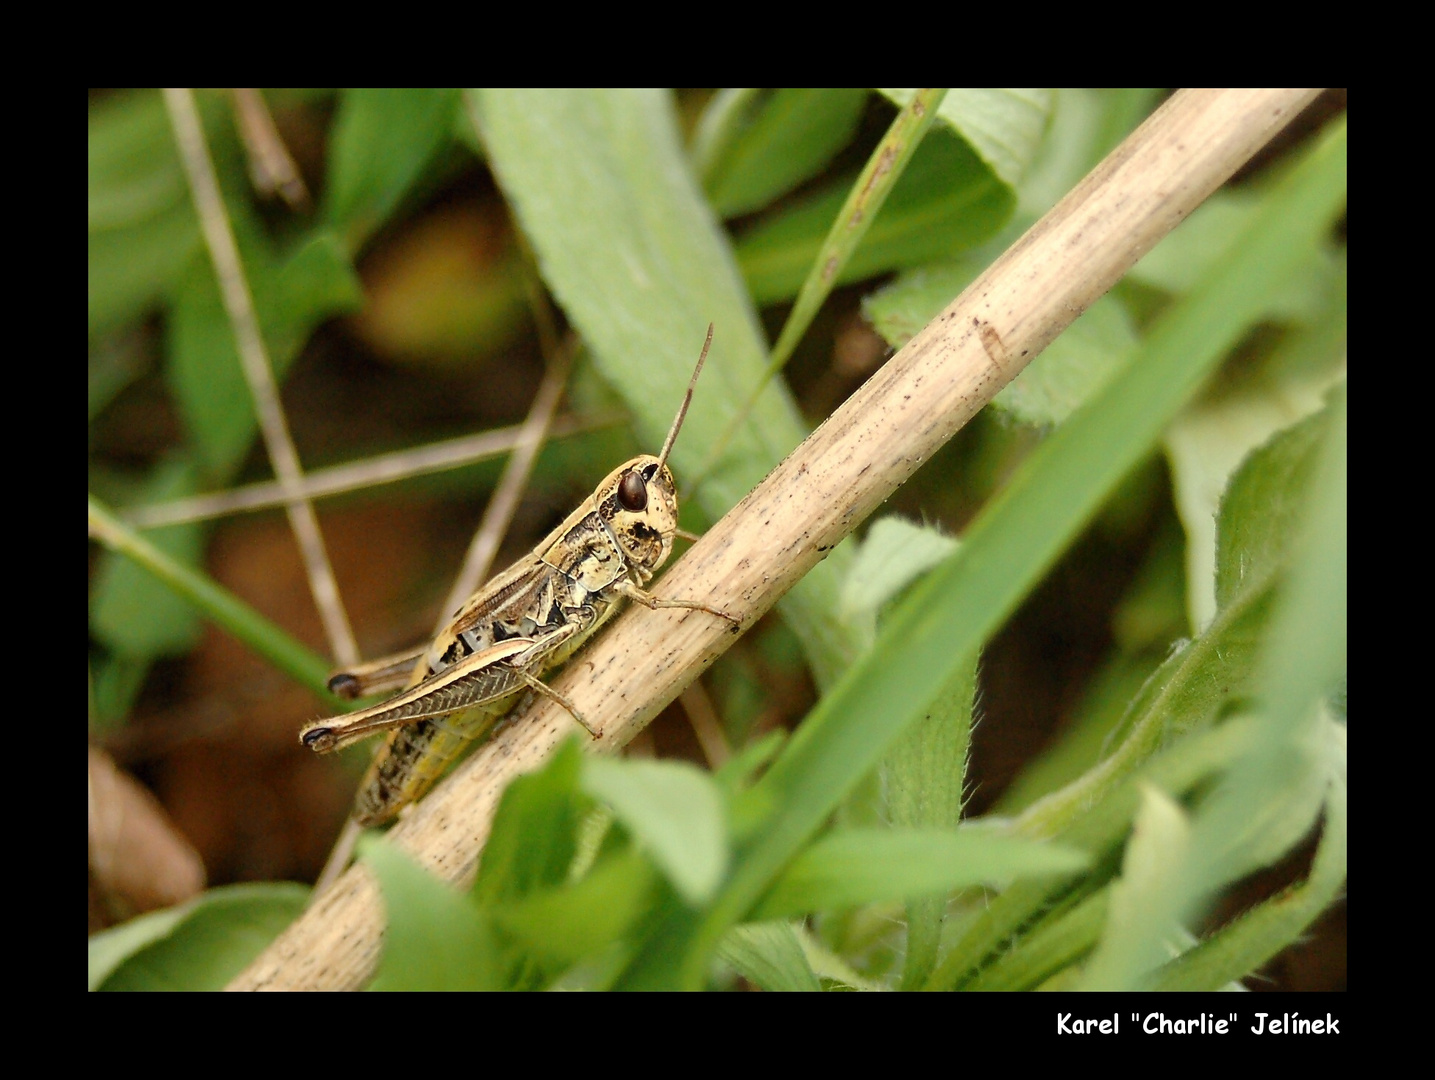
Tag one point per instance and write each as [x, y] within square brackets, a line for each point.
[520, 625]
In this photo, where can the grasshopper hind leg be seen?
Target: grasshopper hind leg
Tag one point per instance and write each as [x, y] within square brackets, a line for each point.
[385, 676]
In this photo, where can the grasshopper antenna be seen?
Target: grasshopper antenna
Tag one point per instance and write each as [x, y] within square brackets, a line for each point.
[687, 400]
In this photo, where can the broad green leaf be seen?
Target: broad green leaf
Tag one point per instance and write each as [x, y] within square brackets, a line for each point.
[132, 613]
[1255, 936]
[533, 840]
[958, 191]
[1144, 908]
[746, 810]
[204, 375]
[111, 948]
[1073, 367]
[749, 156]
[947, 201]
[1186, 694]
[624, 239]
[1195, 685]
[382, 141]
[201, 945]
[1267, 804]
[142, 229]
[1221, 659]
[131, 270]
[867, 194]
[133, 171]
[116, 681]
[1086, 125]
[1272, 796]
[893, 554]
[901, 308]
[769, 955]
[827, 964]
[1004, 125]
[1262, 506]
[1086, 735]
[651, 966]
[204, 372]
[1207, 444]
[435, 937]
[1070, 370]
[1149, 620]
[864, 866]
[739, 771]
[560, 926]
[674, 811]
[314, 283]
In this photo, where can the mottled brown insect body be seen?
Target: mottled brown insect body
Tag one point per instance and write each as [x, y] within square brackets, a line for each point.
[520, 625]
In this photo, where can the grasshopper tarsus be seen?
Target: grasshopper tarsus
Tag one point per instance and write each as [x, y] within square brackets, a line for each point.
[648, 600]
[343, 685]
[320, 740]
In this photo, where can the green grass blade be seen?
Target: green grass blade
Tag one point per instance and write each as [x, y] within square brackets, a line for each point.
[769, 955]
[1058, 943]
[874, 183]
[753, 146]
[866, 866]
[1098, 833]
[219, 604]
[1004, 125]
[381, 142]
[1023, 531]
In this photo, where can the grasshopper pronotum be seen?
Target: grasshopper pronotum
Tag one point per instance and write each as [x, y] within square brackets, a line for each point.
[521, 624]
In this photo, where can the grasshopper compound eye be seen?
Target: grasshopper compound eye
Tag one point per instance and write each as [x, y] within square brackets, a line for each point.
[632, 492]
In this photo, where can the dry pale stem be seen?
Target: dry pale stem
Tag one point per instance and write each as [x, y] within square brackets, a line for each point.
[254, 362]
[353, 476]
[818, 495]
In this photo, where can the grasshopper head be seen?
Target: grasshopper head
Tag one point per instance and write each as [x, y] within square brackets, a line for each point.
[639, 502]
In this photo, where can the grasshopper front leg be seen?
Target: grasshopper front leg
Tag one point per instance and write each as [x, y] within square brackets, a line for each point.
[648, 600]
